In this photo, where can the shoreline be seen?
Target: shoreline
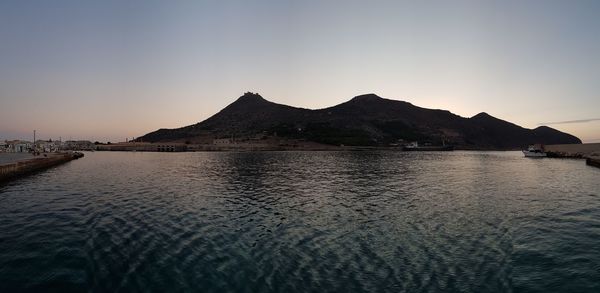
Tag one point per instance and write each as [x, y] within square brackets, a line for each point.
[304, 146]
[589, 152]
[23, 167]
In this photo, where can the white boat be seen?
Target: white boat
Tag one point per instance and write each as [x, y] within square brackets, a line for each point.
[414, 146]
[534, 151]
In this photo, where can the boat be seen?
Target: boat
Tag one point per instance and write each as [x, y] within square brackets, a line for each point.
[535, 151]
[414, 146]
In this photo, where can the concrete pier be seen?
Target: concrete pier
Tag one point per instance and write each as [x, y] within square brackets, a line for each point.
[14, 170]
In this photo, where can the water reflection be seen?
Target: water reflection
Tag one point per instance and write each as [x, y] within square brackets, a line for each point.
[303, 221]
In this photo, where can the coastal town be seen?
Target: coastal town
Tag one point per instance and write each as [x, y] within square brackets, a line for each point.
[20, 157]
[45, 146]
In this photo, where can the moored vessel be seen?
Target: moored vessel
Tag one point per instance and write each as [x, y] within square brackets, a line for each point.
[414, 146]
[535, 151]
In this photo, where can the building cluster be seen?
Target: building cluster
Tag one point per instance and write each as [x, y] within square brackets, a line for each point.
[45, 146]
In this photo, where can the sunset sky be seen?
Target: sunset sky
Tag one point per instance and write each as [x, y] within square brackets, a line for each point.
[107, 70]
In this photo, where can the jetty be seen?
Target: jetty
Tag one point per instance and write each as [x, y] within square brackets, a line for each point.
[24, 166]
[588, 151]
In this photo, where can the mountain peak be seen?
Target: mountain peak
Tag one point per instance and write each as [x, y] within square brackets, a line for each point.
[367, 98]
[251, 97]
[482, 115]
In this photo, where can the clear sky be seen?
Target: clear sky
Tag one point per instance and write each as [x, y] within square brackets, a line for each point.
[107, 70]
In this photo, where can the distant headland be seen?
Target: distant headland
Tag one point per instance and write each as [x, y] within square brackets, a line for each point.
[364, 121]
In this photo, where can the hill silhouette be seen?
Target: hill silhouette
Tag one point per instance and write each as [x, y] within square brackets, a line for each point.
[365, 120]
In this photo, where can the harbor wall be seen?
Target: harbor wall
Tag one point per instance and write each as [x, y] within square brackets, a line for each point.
[23, 167]
[573, 150]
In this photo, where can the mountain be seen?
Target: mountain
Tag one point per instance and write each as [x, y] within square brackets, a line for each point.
[365, 120]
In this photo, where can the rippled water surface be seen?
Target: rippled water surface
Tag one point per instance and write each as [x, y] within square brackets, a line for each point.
[303, 222]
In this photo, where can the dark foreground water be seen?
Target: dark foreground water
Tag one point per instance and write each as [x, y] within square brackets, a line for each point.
[303, 222]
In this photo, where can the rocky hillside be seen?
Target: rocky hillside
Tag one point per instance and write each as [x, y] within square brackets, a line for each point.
[364, 120]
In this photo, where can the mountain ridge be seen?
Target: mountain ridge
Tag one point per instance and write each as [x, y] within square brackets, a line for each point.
[364, 120]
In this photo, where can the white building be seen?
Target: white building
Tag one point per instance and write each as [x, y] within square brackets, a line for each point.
[4, 147]
[21, 147]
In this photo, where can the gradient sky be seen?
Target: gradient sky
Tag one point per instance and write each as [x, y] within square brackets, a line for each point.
[107, 70]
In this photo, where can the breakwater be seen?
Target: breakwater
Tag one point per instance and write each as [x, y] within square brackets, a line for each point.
[19, 168]
[588, 151]
[581, 151]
